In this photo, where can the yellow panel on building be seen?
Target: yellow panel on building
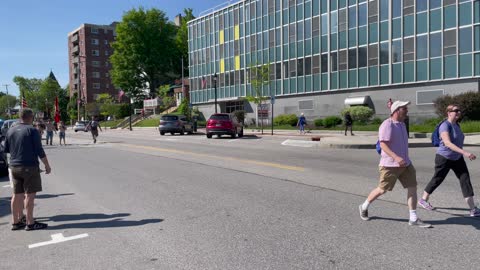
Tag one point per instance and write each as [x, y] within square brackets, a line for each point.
[222, 65]
[237, 32]
[237, 62]
[222, 38]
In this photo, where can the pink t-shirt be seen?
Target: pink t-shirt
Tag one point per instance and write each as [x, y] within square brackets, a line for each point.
[394, 134]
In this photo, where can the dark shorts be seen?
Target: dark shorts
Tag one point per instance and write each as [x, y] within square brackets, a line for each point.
[61, 135]
[95, 132]
[26, 179]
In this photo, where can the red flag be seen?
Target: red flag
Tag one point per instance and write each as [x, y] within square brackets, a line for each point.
[204, 83]
[57, 111]
[24, 102]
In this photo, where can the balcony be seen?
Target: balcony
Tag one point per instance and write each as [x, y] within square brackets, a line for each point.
[74, 38]
[75, 60]
[75, 50]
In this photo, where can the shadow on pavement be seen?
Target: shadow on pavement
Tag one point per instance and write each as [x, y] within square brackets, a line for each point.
[59, 218]
[452, 208]
[4, 178]
[118, 222]
[48, 196]
[463, 220]
[5, 206]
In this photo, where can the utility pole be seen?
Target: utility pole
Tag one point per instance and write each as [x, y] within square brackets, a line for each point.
[8, 102]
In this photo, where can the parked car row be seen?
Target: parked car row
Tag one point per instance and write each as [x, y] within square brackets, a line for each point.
[218, 124]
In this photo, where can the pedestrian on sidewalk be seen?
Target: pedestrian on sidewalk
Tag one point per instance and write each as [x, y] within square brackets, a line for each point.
[61, 132]
[450, 156]
[302, 121]
[23, 144]
[395, 163]
[93, 126]
[50, 129]
[348, 123]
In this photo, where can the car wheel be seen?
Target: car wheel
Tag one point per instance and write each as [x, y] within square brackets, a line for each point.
[162, 133]
[209, 136]
[76, 130]
[172, 133]
[234, 134]
[182, 132]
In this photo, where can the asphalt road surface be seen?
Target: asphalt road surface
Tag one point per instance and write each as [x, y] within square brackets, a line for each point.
[138, 200]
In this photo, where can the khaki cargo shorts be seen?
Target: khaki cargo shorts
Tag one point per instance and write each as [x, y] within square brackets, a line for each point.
[26, 179]
[389, 175]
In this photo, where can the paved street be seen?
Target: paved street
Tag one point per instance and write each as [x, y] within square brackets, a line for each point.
[138, 200]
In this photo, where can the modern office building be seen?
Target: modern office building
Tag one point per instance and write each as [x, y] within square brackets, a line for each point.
[327, 54]
[88, 53]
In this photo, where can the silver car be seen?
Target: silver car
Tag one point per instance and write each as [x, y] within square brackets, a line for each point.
[174, 123]
[80, 126]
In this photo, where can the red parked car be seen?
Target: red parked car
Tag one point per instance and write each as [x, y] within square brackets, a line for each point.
[224, 124]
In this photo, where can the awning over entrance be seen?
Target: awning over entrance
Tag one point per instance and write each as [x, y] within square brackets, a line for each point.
[358, 101]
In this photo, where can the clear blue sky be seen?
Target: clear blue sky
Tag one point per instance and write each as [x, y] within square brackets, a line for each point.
[33, 33]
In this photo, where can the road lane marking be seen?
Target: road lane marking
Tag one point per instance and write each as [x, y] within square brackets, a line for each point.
[6, 186]
[58, 238]
[256, 162]
[299, 143]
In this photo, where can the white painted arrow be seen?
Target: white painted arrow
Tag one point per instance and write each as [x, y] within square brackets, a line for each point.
[58, 238]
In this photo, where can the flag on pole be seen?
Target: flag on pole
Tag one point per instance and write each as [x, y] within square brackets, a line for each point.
[24, 102]
[204, 83]
[57, 111]
[120, 95]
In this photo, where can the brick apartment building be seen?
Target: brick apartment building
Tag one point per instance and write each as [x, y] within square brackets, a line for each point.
[89, 51]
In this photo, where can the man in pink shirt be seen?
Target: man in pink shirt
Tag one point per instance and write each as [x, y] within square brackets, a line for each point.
[395, 163]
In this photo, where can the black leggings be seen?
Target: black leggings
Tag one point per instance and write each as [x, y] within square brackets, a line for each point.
[442, 167]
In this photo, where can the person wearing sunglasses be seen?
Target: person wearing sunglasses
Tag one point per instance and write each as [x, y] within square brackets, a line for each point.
[450, 156]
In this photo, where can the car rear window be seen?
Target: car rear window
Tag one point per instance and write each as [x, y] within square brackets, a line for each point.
[220, 117]
[169, 118]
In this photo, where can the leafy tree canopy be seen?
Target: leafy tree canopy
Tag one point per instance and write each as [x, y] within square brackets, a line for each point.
[144, 51]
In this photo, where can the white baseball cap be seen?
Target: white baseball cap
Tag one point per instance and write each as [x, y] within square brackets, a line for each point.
[397, 104]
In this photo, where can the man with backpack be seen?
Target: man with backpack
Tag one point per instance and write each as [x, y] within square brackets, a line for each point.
[395, 163]
[93, 126]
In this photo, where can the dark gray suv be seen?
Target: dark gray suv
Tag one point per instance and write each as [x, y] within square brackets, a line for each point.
[175, 123]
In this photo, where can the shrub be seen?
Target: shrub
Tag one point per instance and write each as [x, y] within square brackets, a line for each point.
[240, 115]
[285, 119]
[376, 121]
[359, 113]
[123, 111]
[469, 103]
[318, 122]
[332, 121]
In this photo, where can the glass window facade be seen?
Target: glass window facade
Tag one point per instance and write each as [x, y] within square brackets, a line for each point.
[318, 45]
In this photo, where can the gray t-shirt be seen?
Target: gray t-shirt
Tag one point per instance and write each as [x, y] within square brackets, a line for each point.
[24, 145]
[456, 137]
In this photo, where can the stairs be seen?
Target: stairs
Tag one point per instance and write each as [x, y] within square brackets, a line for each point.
[170, 110]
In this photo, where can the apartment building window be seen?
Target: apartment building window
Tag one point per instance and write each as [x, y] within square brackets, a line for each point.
[96, 74]
[94, 41]
[106, 64]
[107, 85]
[94, 30]
[96, 86]
[107, 75]
[96, 63]
[106, 53]
[105, 31]
[95, 52]
[105, 42]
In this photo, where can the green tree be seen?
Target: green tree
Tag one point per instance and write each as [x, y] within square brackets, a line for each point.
[29, 88]
[164, 94]
[107, 105]
[259, 79]
[45, 97]
[181, 40]
[5, 102]
[143, 51]
[184, 108]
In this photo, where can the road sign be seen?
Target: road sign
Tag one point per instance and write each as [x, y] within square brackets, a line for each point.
[272, 100]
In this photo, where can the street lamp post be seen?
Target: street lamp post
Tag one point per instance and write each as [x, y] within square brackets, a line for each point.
[215, 87]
